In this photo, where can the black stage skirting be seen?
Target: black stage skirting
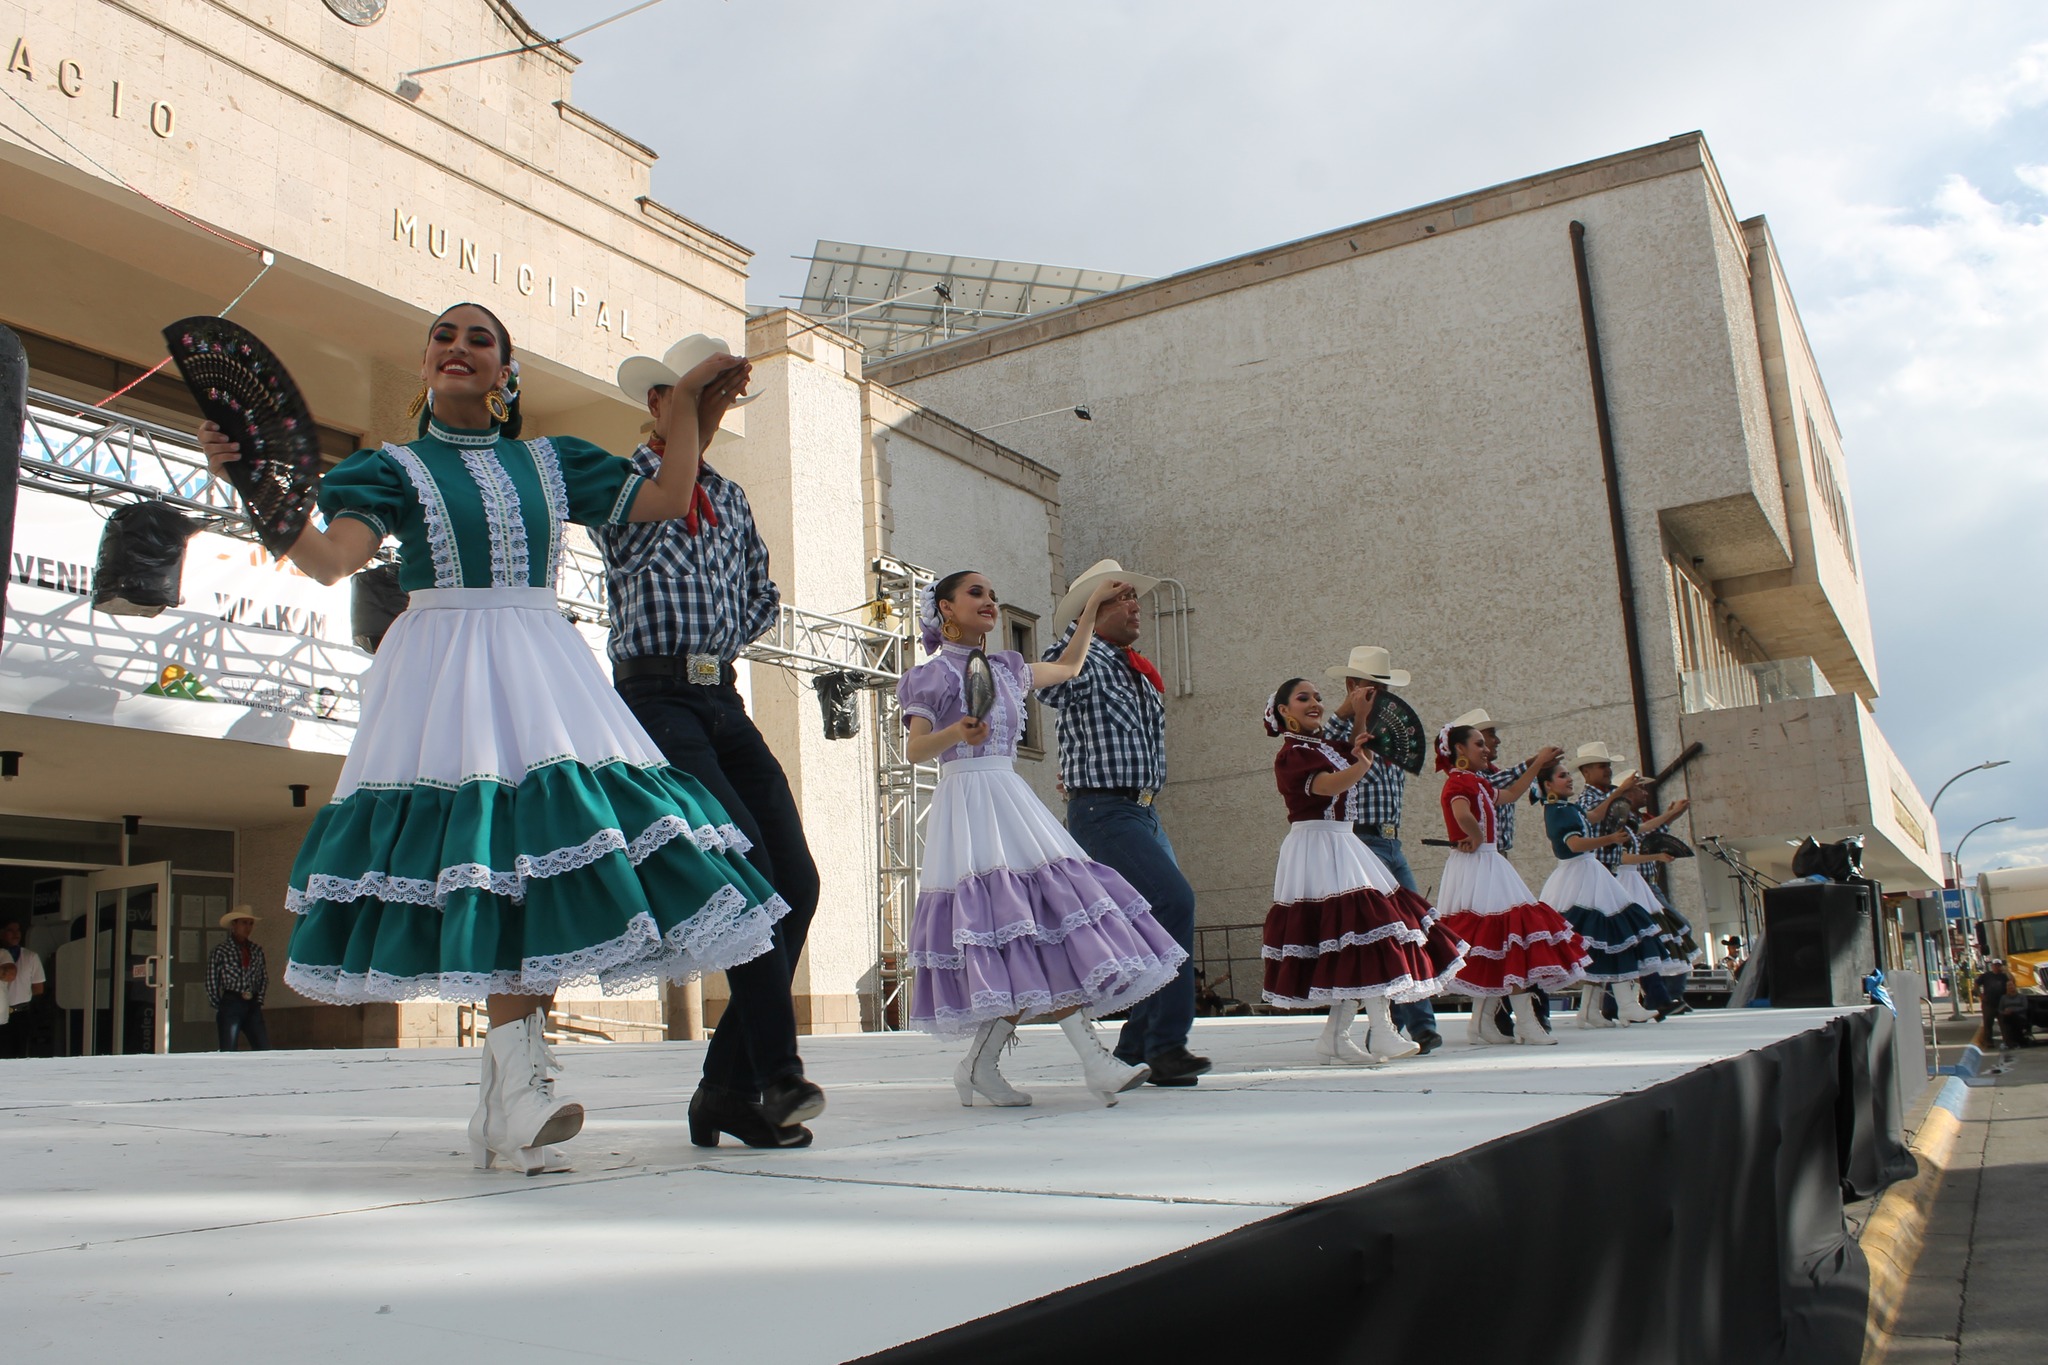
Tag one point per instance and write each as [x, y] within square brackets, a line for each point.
[1698, 1221]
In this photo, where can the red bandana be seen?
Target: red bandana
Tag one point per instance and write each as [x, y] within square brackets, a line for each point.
[1141, 666]
[700, 506]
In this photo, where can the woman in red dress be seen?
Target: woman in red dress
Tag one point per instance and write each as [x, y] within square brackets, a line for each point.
[1342, 931]
[1513, 941]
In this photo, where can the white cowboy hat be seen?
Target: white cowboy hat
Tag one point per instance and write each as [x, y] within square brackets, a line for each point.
[1100, 572]
[1596, 752]
[1476, 718]
[239, 912]
[1371, 663]
[640, 373]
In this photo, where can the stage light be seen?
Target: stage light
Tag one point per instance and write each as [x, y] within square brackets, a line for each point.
[10, 764]
[299, 790]
[131, 825]
[1080, 410]
[141, 563]
[1084, 414]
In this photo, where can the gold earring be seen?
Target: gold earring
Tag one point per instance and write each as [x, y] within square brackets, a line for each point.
[419, 402]
[950, 631]
[495, 402]
[1464, 764]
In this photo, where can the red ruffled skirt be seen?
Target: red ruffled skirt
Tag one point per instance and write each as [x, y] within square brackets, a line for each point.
[1342, 928]
[1513, 941]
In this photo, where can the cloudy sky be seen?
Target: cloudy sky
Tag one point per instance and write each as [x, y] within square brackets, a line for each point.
[1897, 147]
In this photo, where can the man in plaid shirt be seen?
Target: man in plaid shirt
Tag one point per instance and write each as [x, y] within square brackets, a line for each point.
[686, 597]
[1604, 801]
[236, 977]
[1112, 729]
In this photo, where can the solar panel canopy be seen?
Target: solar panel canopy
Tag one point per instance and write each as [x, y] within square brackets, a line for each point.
[886, 299]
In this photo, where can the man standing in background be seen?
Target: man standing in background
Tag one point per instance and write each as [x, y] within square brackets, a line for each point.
[21, 981]
[236, 978]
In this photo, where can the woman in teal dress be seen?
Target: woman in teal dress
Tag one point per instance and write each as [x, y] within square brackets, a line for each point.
[502, 825]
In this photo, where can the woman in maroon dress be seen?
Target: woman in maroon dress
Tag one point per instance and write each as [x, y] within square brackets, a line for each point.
[1342, 931]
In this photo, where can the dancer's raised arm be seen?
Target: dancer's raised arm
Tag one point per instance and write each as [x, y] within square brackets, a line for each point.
[1075, 656]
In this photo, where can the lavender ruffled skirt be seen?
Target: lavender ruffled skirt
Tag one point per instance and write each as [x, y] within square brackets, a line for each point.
[1013, 918]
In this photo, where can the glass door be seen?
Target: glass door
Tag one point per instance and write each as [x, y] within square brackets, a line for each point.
[130, 930]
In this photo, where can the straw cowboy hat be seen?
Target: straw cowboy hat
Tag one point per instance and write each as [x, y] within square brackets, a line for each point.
[1371, 663]
[1476, 718]
[1596, 752]
[640, 373]
[1100, 572]
[239, 912]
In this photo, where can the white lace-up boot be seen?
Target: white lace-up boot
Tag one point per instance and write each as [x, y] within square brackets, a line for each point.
[1628, 1003]
[977, 1073]
[1528, 1028]
[1486, 1007]
[480, 1121]
[525, 1113]
[1334, 1047]
[1100, 1070]
[1383, 1042]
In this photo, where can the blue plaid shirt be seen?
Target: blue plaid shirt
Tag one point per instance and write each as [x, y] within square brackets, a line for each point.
[1380, 791]
[1611, 823]
[673, 593]
[226, 976]
[1112, 724]
[1501, 779]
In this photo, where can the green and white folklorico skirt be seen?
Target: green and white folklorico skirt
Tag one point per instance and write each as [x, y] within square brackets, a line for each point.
[503, 824]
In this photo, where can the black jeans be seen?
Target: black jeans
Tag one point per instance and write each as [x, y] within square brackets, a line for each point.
[237, 1016]
[706, 732]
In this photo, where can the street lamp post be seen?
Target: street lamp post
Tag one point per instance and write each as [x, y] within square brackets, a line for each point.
[1955, 995]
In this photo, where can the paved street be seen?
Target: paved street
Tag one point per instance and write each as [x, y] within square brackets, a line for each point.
[1976, 1293]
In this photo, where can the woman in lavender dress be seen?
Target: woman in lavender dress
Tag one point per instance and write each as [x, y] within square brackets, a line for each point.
[1013, 921]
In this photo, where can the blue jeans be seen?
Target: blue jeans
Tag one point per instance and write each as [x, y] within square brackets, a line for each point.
[1127, 837]
[239, 1018]
[1420, 1017]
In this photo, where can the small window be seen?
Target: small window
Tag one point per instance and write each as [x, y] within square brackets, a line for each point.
[1020, 632]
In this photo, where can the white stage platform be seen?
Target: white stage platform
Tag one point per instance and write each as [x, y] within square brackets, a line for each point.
[320, 1205]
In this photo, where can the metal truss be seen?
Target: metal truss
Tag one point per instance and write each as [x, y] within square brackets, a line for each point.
[77, 451]
[903, 798]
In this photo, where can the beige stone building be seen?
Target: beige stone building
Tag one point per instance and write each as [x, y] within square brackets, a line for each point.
[148, 155]
[1389, 434]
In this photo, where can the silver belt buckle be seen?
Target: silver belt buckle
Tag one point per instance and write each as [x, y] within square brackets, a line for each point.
[1145, 795]
[704, 669]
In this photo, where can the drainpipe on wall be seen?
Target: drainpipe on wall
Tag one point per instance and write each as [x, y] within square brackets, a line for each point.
[1624, 576]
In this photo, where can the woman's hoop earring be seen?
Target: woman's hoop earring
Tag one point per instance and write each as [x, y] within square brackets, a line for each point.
[494, 401]
[1464, 764]
[419, 403]
[950, 631]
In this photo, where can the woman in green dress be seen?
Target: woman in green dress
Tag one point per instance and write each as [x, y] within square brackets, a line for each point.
[502, 825]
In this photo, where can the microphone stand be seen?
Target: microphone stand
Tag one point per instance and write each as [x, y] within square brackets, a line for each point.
[1750, 885]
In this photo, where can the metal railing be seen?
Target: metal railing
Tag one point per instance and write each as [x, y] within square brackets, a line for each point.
[77, 451]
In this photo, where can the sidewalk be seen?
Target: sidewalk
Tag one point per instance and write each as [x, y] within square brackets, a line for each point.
[1976, 1292]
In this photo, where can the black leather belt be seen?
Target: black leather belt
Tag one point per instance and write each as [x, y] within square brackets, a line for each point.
[1377, 831]
[1142, 795]
[705, 670]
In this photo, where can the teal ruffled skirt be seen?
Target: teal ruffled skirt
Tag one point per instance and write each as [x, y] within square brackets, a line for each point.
[504, 825]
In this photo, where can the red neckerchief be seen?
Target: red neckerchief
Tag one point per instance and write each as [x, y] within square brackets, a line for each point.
[700, 506]
[1140, 665]
[701, 513]
[245, 955]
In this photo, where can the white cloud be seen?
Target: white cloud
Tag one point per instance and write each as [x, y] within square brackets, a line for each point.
[1987, 101]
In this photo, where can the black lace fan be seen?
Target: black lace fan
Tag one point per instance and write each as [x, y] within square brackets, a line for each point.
[1395, 733]
[981, 686]
[1663, 841]
[241, 385]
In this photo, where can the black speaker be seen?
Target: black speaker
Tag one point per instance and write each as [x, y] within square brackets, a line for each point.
[1819, 943]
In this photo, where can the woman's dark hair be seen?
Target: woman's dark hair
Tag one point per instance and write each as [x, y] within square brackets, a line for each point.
[1543, 776]
[1284, 693]
[1460, 736]
[509, 428]
[946, 587]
